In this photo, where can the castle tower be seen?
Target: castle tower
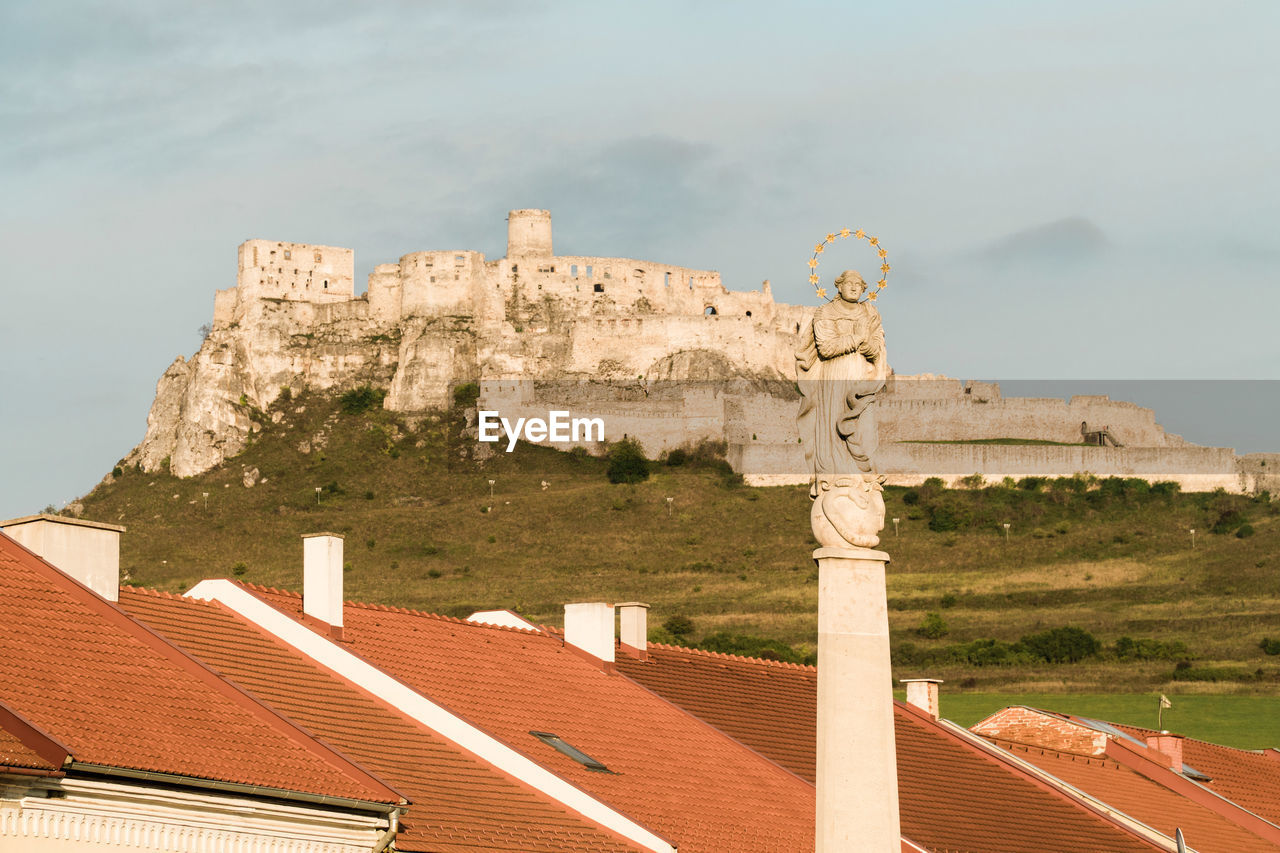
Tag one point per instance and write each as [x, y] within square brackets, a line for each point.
[529, 233]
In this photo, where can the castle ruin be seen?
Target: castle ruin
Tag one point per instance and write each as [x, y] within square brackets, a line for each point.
[666, 354]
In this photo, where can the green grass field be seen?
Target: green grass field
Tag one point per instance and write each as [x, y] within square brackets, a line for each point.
[1247, 722]
[424, 531]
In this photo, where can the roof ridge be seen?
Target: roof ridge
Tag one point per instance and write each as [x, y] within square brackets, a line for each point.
[149, 591]
[411, 611]
[1259, 752]
[734, 657]
[201, 673]
[1101, 759]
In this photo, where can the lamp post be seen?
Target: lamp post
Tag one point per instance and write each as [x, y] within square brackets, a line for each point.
[1193, 539]
[1006, 533]
[206, 501]
[669, 500]
[317, 496]
[895, 528]
[491, 482]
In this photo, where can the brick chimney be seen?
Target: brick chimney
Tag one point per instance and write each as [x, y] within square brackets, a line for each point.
[589, 626]
[1169, 747]
[88, 551]
[635, 624]
[322, 578]
[923, 694]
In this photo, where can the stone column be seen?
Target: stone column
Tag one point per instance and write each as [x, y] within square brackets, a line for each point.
[857, 802]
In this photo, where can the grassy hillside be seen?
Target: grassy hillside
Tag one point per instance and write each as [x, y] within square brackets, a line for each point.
[422, 531]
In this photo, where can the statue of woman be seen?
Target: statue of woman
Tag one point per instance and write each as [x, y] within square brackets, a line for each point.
[840, 367]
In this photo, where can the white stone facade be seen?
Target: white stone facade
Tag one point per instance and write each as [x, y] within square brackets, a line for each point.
[49, 815]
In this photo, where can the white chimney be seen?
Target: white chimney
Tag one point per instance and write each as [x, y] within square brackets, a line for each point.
[923, 694]
[322, 577]
[635, 624]
[86, 550]
[589, 626]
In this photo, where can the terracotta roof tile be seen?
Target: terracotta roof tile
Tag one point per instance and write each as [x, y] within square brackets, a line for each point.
[458, 802]
[953, 796]
[673, 773]
[1143, 799]
[1247, 777]
[15, 753]
[117, 695]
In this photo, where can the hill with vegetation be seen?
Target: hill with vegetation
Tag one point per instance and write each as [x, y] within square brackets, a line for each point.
[1093, 585]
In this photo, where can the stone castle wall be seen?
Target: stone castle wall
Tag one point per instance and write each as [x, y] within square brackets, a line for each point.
[665, 353]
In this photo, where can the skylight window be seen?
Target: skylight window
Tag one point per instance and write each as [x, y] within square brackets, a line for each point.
[576, 754]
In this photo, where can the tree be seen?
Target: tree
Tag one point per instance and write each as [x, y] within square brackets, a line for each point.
[627, 462]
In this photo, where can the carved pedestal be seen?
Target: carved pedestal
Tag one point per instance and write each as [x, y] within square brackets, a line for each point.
[857, 804]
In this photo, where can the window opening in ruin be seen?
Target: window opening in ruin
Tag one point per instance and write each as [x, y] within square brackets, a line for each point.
[599, 288]
[317, 257]
[640, 273]
[288, 255]
[608, 273]
[748, 313]
[573, 270]
[797, 328]
[326, 284]
[515, 268]
[459, 258]
[710, 310]
[255, 256]
[433, 279]
[691, 282]
[666, 279]
[588, 270]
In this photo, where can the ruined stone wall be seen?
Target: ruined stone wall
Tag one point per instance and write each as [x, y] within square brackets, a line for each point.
[302, 271]
[1195, 469]
[1261, 472]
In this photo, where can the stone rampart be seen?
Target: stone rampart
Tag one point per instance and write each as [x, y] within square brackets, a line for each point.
[1194, 469]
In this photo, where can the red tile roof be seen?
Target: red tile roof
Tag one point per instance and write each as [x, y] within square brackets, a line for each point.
[1144, 799]
[675, 774]
[459, 803]
[953, 796]
[1250, 778]
[116, 695]
[16, 753]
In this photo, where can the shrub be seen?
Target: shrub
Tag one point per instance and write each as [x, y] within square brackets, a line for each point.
[678, 625]
[1165, 487]
[677, 457]
[466, 395]
[1127, 648]
[1062, 645]
[948, 600]
[361, 399]
[117, 472]
[1032, 484]
[911, 497]
[933, 626]
[944, 518]
[1228, 520]
[1270, 646]
[433, 573]
[627, 463]
[973, 481]
[239, 569]
[1244, 531]
[1213, 673]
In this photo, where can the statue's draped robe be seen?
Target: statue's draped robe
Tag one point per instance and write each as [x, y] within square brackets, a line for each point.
[838, 383]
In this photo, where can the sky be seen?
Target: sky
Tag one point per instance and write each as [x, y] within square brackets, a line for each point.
[1068, 190]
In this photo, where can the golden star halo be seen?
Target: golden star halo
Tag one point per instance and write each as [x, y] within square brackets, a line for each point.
[819, 248]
